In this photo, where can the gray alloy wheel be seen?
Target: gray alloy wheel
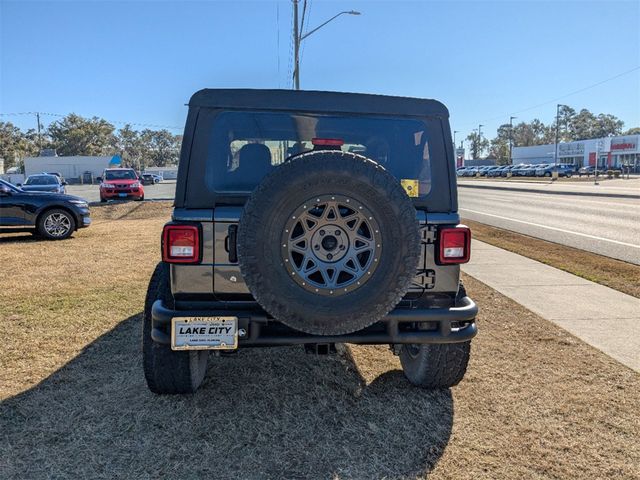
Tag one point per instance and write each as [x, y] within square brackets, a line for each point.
[56, 224]
[331, 245]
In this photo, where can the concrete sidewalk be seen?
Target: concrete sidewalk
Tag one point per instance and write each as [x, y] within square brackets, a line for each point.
[607, 188]
[600, 316]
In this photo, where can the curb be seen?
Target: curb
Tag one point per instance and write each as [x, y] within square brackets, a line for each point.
[558, 192]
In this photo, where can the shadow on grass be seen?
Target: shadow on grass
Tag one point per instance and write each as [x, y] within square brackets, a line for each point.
[267, 413]
[22, 237]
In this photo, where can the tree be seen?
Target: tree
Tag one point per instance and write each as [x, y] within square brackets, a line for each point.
[131, 147]
[534, 133]
[500, 145]
[607, 125]
[161, 147]
[75, 135]
[566, 115]
[478, 145]
[632, 131]
[15, 145]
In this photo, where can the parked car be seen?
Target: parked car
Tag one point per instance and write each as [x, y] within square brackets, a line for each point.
[518, 170]
[51, 215]
[563, 169]
[44, 182]
[325, 248]
[588, 170]
[120, 183]
[506, 170]
[497, 171]
[489, 170]
[150, 179]
[471, 172]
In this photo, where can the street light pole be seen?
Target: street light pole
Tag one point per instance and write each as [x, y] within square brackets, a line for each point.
[480, 140]
[557, 130]
[298, 37]
[555, 158]
[511, 139]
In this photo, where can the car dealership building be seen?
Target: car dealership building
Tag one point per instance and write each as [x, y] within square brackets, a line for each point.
[610, 152]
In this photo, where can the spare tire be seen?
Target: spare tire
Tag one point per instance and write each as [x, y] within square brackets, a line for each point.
[328, 243]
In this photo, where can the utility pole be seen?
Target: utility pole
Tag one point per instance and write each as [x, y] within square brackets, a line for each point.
[454, 138]
[298, 37]
[39, 136]
[296, 47]
[511, 139]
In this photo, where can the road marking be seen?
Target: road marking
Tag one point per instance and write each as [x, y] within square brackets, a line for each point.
[552, 228]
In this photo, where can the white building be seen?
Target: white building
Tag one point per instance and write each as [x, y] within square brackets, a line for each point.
[610, 151]
[71, 168]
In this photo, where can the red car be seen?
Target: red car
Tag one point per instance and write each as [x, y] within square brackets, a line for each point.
[120, 183]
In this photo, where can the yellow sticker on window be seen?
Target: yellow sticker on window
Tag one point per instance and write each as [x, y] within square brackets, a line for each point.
[410, 186]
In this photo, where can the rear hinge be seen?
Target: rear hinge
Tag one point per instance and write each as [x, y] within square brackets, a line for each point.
[429, 279]
[428, 233]
[425, 279]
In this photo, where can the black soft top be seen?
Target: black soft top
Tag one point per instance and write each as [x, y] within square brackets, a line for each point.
[316, 101]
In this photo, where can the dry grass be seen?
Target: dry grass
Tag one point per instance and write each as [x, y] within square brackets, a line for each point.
[616, 274]
[536, 403]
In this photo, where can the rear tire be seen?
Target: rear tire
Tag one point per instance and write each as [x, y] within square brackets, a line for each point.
[434, 366]
[166, 371]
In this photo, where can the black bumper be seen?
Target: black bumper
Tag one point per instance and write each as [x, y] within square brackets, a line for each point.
[400, 326]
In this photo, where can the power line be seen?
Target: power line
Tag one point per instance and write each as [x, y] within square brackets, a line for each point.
[579, 91]
[118, 122]
[290, 59]
[548, 102]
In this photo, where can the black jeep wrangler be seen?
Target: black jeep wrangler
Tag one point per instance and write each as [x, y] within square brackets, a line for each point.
[311, 218]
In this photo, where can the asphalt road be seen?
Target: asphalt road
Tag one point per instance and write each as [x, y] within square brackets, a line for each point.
[603, 225]
[161, 191]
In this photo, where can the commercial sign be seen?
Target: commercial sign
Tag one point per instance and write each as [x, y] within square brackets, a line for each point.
[459, 156]
[623, 146]
[570, 149]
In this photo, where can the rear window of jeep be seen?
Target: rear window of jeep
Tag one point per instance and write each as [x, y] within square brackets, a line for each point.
[245, 146]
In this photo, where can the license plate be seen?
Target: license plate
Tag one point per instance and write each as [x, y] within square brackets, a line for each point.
[122, 194]
[204, 333]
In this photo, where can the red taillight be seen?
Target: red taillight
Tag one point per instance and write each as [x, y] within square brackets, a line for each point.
[180, 244]
[454, 245]
[327, 142]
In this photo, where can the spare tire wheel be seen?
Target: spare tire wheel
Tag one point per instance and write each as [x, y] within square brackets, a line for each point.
[328, 243]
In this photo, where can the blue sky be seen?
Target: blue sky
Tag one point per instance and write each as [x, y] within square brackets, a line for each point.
[139, 61]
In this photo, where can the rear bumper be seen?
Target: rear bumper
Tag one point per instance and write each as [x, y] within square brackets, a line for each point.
[400, 326]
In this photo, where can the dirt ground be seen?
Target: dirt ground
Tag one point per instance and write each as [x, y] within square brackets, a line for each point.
[536, 402]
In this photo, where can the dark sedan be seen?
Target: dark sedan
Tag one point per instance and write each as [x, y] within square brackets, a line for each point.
[53, 216]
[44, 182]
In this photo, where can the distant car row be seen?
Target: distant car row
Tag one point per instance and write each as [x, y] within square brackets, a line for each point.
[522, 170]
